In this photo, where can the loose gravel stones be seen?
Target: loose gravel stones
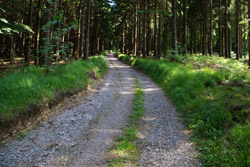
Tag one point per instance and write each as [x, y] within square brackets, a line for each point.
[81, 135]
[163, 137]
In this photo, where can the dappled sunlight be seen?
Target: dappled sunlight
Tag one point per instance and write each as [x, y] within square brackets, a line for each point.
[149, 118]
[117, 130]
[119, 66]
[127, 93]
[151, 90]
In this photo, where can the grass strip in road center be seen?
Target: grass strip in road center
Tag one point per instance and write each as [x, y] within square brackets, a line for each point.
[125, 152]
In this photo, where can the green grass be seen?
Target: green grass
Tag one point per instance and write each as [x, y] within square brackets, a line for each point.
[213, 95]
[30, 87]
[125, 150]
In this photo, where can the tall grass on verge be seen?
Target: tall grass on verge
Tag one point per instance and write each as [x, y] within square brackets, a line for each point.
[213, 95]
[125, 150]
[32, 86]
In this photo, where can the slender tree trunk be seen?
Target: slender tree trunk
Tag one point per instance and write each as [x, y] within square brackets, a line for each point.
[155, 31]
[191, 42]
[149, 30]
[88, 31]
[201, 36]
[211, 28]
[226, 31]
[165, 39]
[28, 50]
[220, 31]
[237, 30]
[159, 37]
[195, 38]
[83, 14]
[184, 42]
[174, 30]
[204, 51]
[249, 33]
[44, 59]
[136, 30]
[124, 36]
[38, 25]
[229, 32]
[12, 49]
[144, 50]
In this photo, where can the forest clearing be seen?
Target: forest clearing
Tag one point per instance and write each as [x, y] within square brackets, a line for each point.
[124, 83]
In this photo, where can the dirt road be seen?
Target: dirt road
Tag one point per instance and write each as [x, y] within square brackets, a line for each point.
[82, 134]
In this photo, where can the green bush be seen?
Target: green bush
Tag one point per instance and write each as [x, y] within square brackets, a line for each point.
[33, 86]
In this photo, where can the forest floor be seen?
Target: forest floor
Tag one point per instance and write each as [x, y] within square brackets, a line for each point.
[84, 133]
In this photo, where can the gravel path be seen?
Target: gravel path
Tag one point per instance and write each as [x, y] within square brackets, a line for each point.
[164, 140]
[80, 136]
[84, 132]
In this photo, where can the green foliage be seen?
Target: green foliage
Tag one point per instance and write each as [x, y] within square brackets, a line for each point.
[32, 86]
[213, 95]
[57, 28]
[8, 28]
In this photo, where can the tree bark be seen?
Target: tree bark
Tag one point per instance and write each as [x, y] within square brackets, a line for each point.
[88, 31]
[144, 50]
[174, 30]
[28, 50]
[211, 28]
[38, 25]
[155, 31]
[237, 30]
[184, 42]
[159, 37]
[249, 33]
[83, 14]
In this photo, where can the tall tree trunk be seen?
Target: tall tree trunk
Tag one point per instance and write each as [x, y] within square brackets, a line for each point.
[249, 33]
[237, 30]
[211, 28]
[226, 31]
[155, 31]
[148, 29]
[144, 50]
[159, 36]
[184, 39]
[165, 39]
[12, 49]
[174, 30]
[220, 32]
[240, 30]
[38, 25]
[204, 50]
[88, 31]
[28, 43]
[229, 32]
[195, 38]
[83, 14]
[44, 59]
[191, 42]
[136, 30]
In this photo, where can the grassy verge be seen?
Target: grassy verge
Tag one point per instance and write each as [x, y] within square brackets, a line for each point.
[125, 152]
[31, 87]
[214, 96]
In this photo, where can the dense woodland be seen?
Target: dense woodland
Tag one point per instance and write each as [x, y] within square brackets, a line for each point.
[198, 51]
[45, 31]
